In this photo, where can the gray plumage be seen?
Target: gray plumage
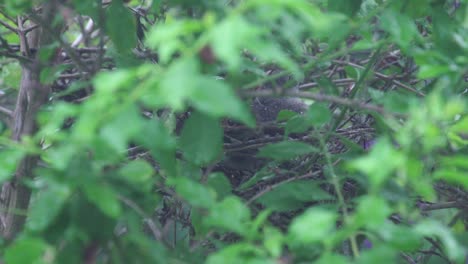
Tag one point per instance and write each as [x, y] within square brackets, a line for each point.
[267, 109]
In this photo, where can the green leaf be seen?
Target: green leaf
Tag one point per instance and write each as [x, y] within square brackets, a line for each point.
[372, 212]
[318, 114]
[397, 102]
[230, 37]
[9, 159]
[428, 71]
[16, 7]
[430, 227]
[219, 182]
[293, 195]
[453, 175]
[11, 75]
[347, 7]
[89, 8]
[216, 98]
[239, 253]
[400, 237]
[377, 254]
[201, 139]
[230, 214]
[137, 172]
[123, 128]
[193, 192]
[168, 38]
[26, 250]
[286, 150]
[47, 205]
[104, 197]
[375, 164]
[177, 84]
[155, 135]
[109, 82]
[329, 258]
[323, 23]
[297, 124]
[417, 8]
[400, 27]
[314, 225]
[121, 26]
[273, 241]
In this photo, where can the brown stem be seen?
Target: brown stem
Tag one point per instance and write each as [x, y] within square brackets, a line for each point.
[14, 195]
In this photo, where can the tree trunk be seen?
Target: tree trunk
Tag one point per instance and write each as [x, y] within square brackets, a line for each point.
[14, 195]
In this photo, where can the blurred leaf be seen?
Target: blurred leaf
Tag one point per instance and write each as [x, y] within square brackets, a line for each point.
[9, 159]
[375, 165]
[297, 124]
[47, 205]
[318, 114]
[263, 174]
[378, 254]
[286, 150]
[452, 175]
[335, 259]
[400, 27]
[230, 214]
[215, 98]
[235, 33]
[291, 196]
[177, 84]
[137, 172]
[193, 192]
[121, 129]
[230, 37]
[155, 135]
[121, 26]
[430, 227]
[372, 212]
[219, 182]
[347, 7]
[273, 241]
[427, 71]
[396, 102]
[167, 37]
[314, 225]
[201, 139]
[109, 82]
[400, 237]
[10, 75]
[417, 8]
[26, 250]
[239, 253]
[104, 197]
[89, 8]
[15, 7]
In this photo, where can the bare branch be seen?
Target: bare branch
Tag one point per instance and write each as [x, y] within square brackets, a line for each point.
[8, 26]
[384, 77]
[6, 111]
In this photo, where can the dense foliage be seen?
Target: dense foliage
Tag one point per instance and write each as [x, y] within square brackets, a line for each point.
[130, 131]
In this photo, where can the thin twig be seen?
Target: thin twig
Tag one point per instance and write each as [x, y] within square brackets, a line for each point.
[7, 16]
[151, 224]
[276, 185]
[68, 49]
[6, 111]
[384, 77]
[8, 26]
[328, 98]
[438, 206]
